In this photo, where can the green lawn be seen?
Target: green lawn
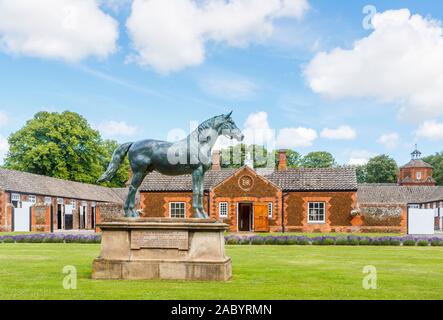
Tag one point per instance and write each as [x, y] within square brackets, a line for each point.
[34, 271]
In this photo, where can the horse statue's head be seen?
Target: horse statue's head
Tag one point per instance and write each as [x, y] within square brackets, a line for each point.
[228, 128]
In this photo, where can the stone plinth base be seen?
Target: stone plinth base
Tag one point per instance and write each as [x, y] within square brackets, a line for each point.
[156, 248]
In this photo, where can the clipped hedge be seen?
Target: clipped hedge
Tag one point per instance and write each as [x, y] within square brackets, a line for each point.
[330, 241]
[51, 238]
[247, 240]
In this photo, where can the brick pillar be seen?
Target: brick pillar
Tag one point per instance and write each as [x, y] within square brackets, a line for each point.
[76, 219]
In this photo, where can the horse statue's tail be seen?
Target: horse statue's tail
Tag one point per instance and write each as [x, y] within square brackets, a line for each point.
[117, 159]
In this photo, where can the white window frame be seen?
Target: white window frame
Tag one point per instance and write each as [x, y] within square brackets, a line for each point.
[324, 212]
[93, 204]
[60, 201]
[15, 197]
[32, 198]
[418, 175]
[84, 203]
[223, 208]
[270, 209]
[177, 203]
[48, 200]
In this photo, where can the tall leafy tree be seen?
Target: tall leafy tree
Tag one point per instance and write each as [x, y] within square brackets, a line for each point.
[436, 161]
[61, 145]
[122, 174]
[362, 174]
[381, 169]
[319, 159]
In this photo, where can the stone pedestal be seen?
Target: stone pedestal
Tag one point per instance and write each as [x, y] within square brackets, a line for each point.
[158, 248]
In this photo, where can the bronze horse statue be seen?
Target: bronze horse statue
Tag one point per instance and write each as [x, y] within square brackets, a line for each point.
[191, 155]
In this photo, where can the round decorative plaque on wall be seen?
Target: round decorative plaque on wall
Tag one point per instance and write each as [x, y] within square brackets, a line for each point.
[246, 182]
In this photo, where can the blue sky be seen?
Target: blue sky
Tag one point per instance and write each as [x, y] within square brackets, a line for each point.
[138, 70]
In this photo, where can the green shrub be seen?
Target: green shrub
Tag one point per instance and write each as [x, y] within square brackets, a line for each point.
[395, 242]
[436, 243]
[341, 242]
[365, 242]
[328, 242]
[8, 240]
[282, 241]
[423, 243]
[258, 240]
[409, 243]
[270, 241]
[353, 242]
[232, 241]
[303, 242]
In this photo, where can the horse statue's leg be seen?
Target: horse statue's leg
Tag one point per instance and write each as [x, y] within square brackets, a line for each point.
[197, 185]
[201, 197]
[136, 181]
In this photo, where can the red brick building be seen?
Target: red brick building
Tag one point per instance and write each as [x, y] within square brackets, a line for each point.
[260, 200]
[416, 172]
[30, 202]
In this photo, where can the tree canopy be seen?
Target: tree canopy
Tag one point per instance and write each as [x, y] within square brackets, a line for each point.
[319, 159]
[381, 169]
[436, 161]
[61, 145]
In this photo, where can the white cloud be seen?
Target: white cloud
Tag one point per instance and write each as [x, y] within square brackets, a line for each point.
[258, 131]
[300, 137]
[360, 157]
[171, 35]
[4, 147]
[58, 29]
[431, 130]
[399, 62]
[117, 129]
[389, 140]
[231, 87]
[341, 133]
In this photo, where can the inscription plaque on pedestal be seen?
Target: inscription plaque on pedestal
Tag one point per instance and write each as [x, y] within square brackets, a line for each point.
[157, 239]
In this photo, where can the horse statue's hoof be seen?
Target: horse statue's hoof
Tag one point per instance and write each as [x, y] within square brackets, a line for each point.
[132, 214]
[201, 215]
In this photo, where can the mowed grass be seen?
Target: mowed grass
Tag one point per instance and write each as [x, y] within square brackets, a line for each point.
[34, 271]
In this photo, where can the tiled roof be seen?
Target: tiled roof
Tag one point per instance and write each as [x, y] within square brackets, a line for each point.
[23, 182]
[393, 194]
[437, 195]
[417, 163]
[288, 180]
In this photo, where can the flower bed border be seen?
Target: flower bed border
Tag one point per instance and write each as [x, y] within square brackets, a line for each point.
[247, 240]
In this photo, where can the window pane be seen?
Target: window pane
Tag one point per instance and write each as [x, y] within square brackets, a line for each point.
[316, 212]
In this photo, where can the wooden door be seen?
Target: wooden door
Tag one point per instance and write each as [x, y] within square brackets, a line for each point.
[261, 221]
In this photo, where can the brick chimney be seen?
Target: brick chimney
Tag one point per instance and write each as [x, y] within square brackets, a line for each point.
[282, 163]
[216, 160]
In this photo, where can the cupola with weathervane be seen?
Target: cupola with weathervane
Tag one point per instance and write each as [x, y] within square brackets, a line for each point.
[416, 172]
